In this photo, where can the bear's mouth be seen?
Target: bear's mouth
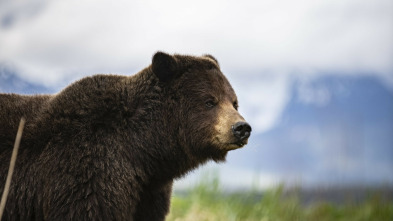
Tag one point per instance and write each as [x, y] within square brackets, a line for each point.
[231, 145]
[240, 144]
[236, 145]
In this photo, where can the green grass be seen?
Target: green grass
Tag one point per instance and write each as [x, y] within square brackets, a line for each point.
[207, 202]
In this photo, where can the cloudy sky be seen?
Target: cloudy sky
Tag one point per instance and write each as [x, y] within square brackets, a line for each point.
[263, 46]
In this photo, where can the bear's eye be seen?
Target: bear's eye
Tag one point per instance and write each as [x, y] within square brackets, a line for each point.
[210, 103]
[235, 105]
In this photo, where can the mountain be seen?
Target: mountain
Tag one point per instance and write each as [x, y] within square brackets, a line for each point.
[335, 130]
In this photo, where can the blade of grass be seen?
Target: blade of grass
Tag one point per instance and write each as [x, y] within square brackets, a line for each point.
[12, 166]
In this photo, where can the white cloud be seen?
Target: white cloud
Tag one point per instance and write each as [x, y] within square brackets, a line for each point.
[65, 40]
[311, 94]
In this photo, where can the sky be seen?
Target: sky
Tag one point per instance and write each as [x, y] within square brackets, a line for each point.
[264, 47]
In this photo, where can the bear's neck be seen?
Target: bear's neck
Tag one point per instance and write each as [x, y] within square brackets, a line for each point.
[163, 169]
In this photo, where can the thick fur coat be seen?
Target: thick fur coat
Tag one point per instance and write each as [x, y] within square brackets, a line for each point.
[108, 147]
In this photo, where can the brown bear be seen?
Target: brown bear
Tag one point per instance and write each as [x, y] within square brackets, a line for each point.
[108, 147]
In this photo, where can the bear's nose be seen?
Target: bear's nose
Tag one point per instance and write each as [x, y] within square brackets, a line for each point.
[241, 130]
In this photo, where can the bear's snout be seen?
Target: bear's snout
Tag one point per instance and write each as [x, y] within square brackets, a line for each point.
[241, 130]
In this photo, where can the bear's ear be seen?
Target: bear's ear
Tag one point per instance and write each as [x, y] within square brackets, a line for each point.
[212, 58]
[164, 66]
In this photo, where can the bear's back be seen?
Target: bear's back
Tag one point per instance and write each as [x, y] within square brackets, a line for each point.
[12, 108]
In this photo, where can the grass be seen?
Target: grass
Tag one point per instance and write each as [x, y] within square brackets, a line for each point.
[207, 201]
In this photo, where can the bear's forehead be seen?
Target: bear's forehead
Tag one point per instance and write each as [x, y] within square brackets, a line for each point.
[210, 82]
[202, 75]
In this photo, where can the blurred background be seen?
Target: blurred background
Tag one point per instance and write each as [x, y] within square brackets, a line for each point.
[313, 78]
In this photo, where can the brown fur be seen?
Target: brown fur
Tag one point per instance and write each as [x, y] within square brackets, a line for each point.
[108, 147]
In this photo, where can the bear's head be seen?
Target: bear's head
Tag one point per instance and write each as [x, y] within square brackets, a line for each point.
[202, 104]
